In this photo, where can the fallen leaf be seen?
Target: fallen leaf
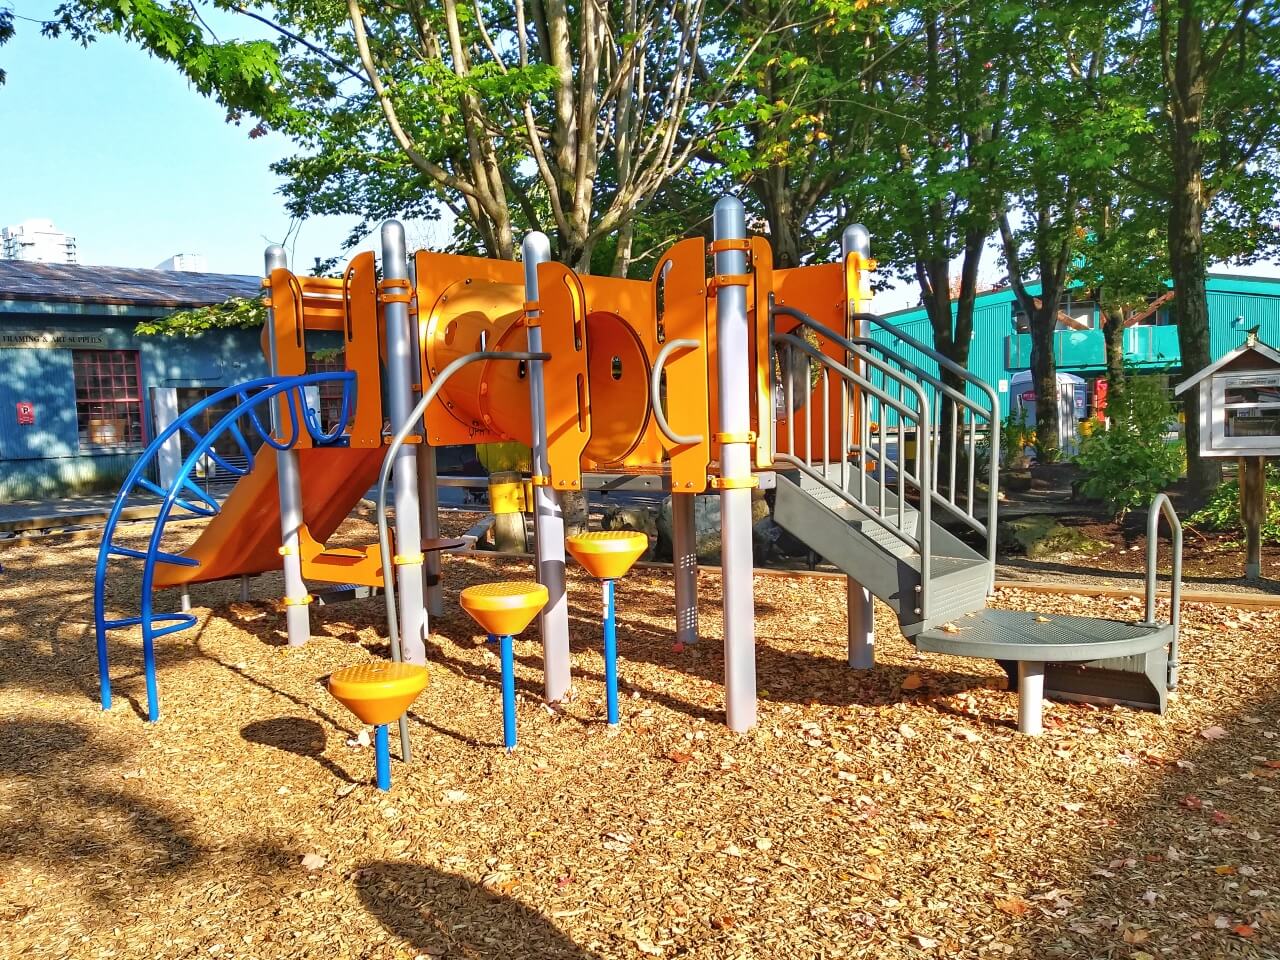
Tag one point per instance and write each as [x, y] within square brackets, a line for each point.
[1043, 619]
[1243, 930]
[912, 681]
[675, 756]
[923, 942]
[313, 861]
[1213, 733]
[1014, 906]
[764, 843]
[456, 796]
[949, 628]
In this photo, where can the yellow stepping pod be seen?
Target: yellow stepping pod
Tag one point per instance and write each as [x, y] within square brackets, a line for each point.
[378, 693]
[607, 554]
[504, 608]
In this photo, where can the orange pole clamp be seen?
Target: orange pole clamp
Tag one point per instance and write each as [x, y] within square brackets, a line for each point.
[748, 437]
[727, 280]
[407, 559]
[733, 483]
[532, 307]
[300, 602]
[729, 243]
[412, 438]
[540, 481]
[393, 283]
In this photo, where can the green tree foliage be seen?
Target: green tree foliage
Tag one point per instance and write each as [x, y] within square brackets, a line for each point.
[1131, 461]
[6, 33]
[568, 117]
[238, 313]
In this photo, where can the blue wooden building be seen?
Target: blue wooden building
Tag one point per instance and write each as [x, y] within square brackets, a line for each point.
[78, 390]
[1001, 346]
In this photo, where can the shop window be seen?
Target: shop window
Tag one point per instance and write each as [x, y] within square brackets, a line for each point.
[108, 398]
[328, 361]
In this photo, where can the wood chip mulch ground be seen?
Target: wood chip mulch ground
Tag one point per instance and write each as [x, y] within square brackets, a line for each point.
[887, 814]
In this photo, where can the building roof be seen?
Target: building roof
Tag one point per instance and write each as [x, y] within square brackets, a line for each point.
[70, 283]
[1252, 345]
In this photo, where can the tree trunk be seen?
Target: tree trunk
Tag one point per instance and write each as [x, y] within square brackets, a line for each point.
[1044, 377]
[1186, 241]
[1113, 340]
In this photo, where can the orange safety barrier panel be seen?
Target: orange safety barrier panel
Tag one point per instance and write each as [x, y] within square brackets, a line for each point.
[361, 352]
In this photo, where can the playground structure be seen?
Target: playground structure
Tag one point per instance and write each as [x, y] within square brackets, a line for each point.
[880, 451]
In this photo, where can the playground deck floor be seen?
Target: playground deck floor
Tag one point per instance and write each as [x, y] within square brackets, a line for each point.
[891, 814]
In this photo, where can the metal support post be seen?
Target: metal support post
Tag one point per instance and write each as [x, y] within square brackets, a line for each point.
[548, 520]
[245, 596]
[610, 655]
[428, 483]
[296, 598]
[734, 369]
[186, 599]
[1030, 698]
[401, 365]
[382, 757]
[684, 562]
[861, 620]
[862, 626]
[508, 692]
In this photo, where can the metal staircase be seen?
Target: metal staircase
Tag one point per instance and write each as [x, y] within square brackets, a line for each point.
[285, 396]
[889, 494]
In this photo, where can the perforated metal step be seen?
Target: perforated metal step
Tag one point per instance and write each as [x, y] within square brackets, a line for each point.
[1044, 638]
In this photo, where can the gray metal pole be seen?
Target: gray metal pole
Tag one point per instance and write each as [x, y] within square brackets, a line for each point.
[400, 370]
[1030, 698]
[296, 598]
[734, 369]
[548, 520]
[684, 560]
[861, 608]
[428, 488]
[244, 589]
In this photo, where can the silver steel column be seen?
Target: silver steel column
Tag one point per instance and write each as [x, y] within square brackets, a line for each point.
[861, 607]
[734, 369]
[400, 369]
[296, 611]
[428, 488]
[244, 589]
[548, 520]
[1030, 698]
[684, 561]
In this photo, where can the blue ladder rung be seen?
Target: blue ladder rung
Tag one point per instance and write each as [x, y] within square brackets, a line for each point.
[206, 511]
[178, 501]
[175, 621]
[159, 555]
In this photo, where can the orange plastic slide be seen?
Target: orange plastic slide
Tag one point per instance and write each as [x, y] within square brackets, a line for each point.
[244, 538]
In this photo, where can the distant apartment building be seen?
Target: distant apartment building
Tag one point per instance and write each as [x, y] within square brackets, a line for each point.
[37, 241]
[185, 263]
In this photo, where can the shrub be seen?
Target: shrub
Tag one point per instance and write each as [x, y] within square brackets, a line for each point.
[1131, 461]
[1222, 512]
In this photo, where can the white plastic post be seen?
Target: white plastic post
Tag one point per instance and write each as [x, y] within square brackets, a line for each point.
[297, 613]
[400, 370]
[861, 607]
[685, 564]
[1030, 698]
[734, 370]
[548, 519]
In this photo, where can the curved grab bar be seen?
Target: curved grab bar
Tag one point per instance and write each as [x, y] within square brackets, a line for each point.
[655, 391]
[1162, 506]
[388, 462]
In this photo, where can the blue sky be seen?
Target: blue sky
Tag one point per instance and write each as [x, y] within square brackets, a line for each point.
[119, 151]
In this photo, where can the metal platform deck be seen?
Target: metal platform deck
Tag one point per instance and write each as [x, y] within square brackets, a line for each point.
[1045, 638]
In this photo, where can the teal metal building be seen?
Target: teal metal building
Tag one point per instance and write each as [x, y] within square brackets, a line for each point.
[78, 388]
[1001, 347]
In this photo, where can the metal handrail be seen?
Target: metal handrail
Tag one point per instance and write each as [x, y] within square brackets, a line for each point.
[922, 543]
[1162, 506]
[388, 462]
[655, 392]
[987, 529]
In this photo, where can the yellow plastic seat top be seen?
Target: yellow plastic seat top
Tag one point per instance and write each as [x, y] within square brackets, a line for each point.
[607, 554]
[504, 607]
[378, 692]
